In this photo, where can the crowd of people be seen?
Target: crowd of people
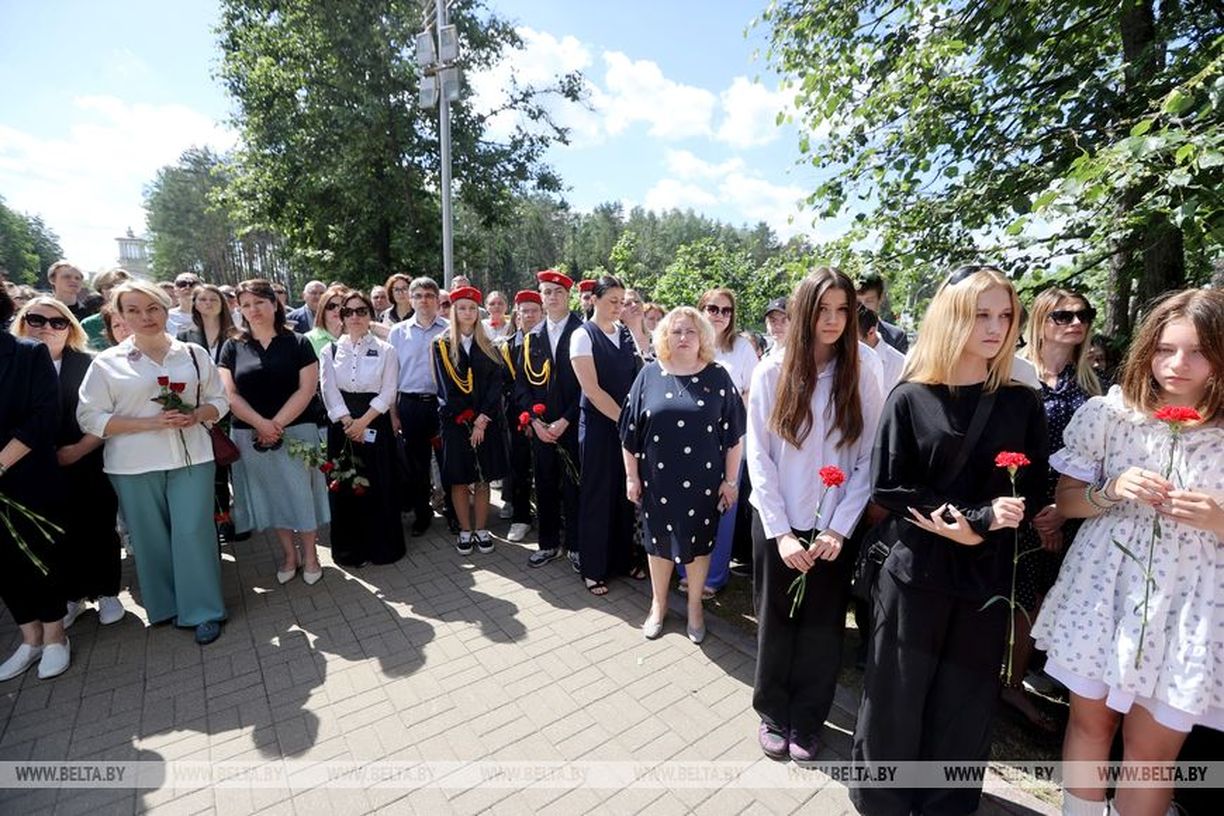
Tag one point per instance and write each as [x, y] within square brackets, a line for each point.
[826, 459]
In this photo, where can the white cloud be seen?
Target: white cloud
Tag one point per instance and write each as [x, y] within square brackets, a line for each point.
[88, 183]
[750, 113]
[637, 91]
[684, 164]
[671, 194]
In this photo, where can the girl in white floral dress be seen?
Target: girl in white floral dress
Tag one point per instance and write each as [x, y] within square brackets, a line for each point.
[1159, 684]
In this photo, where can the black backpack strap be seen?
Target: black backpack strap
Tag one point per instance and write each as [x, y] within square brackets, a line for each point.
[974, 433]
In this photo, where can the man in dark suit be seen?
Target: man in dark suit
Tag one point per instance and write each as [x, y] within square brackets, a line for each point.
[302, 318]
[870, 288]
[546, 378]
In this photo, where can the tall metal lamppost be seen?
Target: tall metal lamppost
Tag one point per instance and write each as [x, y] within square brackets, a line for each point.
[440, 82]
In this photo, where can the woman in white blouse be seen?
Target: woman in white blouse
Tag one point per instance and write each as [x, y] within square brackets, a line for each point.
[359, 374]
[735, 353]
[811, 406]
[161, 461]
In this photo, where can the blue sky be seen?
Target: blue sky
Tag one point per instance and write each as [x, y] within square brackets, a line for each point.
[100, 95]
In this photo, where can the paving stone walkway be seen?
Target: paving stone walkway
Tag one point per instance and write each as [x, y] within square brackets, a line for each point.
[436, 658]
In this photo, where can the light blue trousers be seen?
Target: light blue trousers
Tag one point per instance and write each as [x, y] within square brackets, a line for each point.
[169, 515]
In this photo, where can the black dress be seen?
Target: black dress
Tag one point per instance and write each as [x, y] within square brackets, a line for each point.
[680, 428]
[461, 463]
[91, 565]
[29, 412]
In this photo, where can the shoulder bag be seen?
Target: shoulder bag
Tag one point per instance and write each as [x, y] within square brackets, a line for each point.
[225, 452]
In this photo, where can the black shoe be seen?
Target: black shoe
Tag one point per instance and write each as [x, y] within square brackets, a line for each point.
[453, 525]
[226, 531]
[241, 536]
[741, 570]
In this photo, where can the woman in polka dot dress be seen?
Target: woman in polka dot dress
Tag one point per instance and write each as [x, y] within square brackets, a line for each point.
[809, 407]
[681, 431]
[1160, 679]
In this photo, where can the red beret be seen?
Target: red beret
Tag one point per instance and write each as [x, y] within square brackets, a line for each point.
[585, 286]
[528, 296]
[466, 293]
[553, 276]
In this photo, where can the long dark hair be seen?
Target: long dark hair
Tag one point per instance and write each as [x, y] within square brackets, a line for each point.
[228, 329]
[791, 416]
[263, 290]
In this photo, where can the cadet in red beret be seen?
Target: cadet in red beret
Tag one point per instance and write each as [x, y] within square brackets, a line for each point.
[586, 294]
[469, 372]
[547, 390]
[518, 485]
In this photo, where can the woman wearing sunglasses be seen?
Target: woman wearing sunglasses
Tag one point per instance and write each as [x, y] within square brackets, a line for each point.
[28, 405]
[359, 374]
[327, 324]
[91, 545]
[736, 354]
[1057, 343]
[271, 375]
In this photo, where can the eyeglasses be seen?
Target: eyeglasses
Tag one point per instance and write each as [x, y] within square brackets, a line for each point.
[185, 284]
[714, 311]
[399, 290]
[1063, 317]
[446, 304]
[331, 307]
[423, 295]
[356, 311]
[37, 321]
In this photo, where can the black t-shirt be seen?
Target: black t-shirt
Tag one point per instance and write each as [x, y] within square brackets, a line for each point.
[267, 378]
[81, 310]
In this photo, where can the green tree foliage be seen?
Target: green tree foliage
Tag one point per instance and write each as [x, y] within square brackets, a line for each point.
[709, 264]
[190, 227]
[947, 123]
[336, 154]
[27, 246]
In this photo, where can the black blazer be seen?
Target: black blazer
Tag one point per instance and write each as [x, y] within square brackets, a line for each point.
[561, 393]
[29, 412]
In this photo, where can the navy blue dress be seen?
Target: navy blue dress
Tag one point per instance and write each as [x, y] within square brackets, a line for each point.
[606, 538]
[680, 428]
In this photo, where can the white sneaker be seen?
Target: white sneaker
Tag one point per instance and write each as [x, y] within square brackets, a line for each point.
[506, 512]
[110, 610]
[22, 659]
[55, 659]
[518, 531]
[75, 608]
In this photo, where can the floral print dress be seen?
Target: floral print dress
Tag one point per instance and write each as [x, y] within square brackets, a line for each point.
[1090, 622]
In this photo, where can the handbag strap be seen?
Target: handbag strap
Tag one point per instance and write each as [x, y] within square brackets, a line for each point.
[195, 364]
[976, 425]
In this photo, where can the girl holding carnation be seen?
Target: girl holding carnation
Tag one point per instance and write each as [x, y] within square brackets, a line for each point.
[1133, 625]
[940, 597]
[469, 372]
[808, 408]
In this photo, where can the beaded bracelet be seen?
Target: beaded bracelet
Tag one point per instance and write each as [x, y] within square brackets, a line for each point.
[1089, 492]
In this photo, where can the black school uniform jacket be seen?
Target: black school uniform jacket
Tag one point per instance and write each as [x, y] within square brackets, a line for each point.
[560, 393]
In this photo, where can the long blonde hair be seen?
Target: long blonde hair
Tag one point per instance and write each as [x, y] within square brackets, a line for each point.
[949, 323]
[1034, 338]
[479, 337]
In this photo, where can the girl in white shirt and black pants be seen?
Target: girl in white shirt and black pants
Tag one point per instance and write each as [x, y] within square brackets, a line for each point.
[808, 408]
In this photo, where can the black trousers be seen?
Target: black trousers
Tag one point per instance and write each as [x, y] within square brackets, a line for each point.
[520, 477]
[607, 513]
[418, 425]
[89, 554]
[930, 692]
[556, 492]
[797, 658]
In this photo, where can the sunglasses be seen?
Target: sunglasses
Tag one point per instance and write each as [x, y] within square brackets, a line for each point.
[1063, 317]
[964, 272]
[331, 307]
[37, 321]
[185, 284]
[356, 311]
[714, 311]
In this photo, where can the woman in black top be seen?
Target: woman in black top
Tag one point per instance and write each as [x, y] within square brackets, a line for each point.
[211, 325]
[29, 414]
[606, 363]
[469, 373]
[934, 661]
[270, 375]
[90, 556]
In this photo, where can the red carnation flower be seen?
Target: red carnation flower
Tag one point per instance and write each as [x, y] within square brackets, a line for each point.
[163, 381]
[178, 388]
[538, 409]
[1010, 460]
[359, 490]
[222, 518]
[465, 416]
[524, 420]
[334, 486]
[327, 467]
[1177, 414]
[832, 476]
